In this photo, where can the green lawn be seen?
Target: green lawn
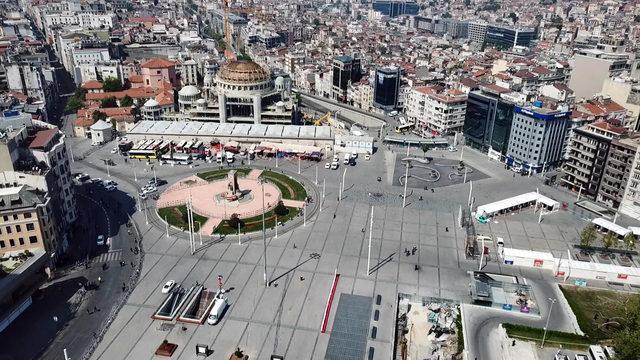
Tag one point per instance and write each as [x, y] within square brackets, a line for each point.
[290, 188]
[177, 216]
[221, 174]
[553, 337]
[254, 223]
[593, 308]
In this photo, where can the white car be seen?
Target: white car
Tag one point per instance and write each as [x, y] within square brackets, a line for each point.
[327, 165]
[96, 181]
[168, 286]
[100, 240]
[114, 150]
[367, 157]
[334, 165]
[452, 149]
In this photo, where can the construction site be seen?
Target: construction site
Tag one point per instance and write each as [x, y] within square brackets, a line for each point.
[427, 328]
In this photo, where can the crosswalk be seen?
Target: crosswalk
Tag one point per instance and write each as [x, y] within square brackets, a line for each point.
[113, 255]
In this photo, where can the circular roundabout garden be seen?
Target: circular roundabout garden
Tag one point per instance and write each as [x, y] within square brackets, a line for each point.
[228, 201]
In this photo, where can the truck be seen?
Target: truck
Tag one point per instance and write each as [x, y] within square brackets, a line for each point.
[218, 308]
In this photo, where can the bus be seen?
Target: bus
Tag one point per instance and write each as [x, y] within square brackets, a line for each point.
[176, 158]
[149, 150]
[404, 128]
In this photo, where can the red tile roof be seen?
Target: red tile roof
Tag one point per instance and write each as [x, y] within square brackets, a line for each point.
[158, 63]
[610, 127]
[42, 138]
[92, 85]
[135, 79]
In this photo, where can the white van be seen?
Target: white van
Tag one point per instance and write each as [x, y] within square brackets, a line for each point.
[216, 312]
[596, 352]
[336, 158]
[219, 157]
[334, 165]
[347, 159]
[230, 158]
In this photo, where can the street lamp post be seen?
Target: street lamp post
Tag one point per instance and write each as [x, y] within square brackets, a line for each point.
[239, 241]
[316, 175]
[299, 162]
[406, 181]
[323, 187]
[264, 236]
[304, 214]
[544, 335]
[344, 174]
[135, 175]
[370, 235]
[276, 225]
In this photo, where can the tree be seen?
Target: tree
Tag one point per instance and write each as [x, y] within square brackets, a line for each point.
[126, 101]
[98, 115]
[425, 148]
[235, 221]
[609, 240]
[74, 104]
[630, 241]
[588, 235]
[109, 102]
[627, 341]
[111, 84]
[280, 209]
[513, 17]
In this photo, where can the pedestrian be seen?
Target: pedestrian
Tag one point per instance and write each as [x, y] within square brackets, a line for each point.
[88, 313]
[446, 229]
[95, 309]
[294, 246]
[99, 279]
[301, 278]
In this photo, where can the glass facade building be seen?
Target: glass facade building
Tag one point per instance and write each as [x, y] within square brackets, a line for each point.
[386, 88]
[396, 8]
[504, 37]
[487, 123]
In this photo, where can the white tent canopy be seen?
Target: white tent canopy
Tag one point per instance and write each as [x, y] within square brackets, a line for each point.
[609, 226]
[515, 202]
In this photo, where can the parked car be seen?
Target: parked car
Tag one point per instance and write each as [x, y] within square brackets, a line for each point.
[114, 150]
[83, 177]
[168, 286]
[334, 165]
[110, 187]
[327, 165]
[367, 157]
[100, 240]
[96, 181]
[216, 312]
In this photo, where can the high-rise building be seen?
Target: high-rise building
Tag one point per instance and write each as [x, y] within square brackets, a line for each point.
[394, 8]
[386, 88]
[487, 123]
[436, 111]
[508, 37]
[345, 69]
[588, 151]
[592, 67]
[537, 138]
[617, 171]
[477, 32]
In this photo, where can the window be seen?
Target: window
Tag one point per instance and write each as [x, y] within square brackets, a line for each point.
[11, 242]
[21, 241]
[6, 218]
[27, 215]
[30, 227]
[33, 239]
[8, 229]
[2, 244]
[15, 216]
[18, 228]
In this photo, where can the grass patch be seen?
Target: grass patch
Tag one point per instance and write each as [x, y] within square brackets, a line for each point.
[594, 308]
[556, 337]
[254, 223]
[221, 174]
[177, 216]
[290, 188]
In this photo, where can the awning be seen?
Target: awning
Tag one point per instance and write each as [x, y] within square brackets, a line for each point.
[606, 224]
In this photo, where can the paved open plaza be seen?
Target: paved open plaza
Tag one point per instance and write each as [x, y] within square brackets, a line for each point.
[286, 317]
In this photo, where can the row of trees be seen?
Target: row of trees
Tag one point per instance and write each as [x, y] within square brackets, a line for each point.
[589, 235]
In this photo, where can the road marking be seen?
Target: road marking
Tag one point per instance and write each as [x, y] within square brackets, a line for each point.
[113, 255]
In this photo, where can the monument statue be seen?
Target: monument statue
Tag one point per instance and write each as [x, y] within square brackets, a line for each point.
[232, 186]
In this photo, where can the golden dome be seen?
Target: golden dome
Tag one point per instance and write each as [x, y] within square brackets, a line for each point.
[243, 72]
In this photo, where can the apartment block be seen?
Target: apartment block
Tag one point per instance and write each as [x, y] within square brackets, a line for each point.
[617, 171]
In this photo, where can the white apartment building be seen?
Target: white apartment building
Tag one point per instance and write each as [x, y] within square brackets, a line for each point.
[189, 72]
[435, 111]
[360, 95]
[478, 32]
[630, 204]
[86, 20]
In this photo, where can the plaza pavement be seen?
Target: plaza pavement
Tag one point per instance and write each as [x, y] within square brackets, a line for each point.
[285, 318]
